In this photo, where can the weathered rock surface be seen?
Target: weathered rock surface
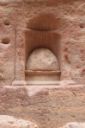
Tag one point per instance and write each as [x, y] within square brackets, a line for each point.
[74, 125]
[47, 106]
[58, 26]
[12, 122]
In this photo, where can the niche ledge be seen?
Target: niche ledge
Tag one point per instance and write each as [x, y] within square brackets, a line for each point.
[59, 84]
[31, 72]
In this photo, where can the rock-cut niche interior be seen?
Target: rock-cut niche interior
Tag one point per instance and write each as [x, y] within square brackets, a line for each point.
[42, 49]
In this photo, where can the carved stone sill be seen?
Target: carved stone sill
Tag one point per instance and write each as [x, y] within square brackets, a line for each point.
[32, 72]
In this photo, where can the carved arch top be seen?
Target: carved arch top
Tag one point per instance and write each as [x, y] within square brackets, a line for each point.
[43, 22]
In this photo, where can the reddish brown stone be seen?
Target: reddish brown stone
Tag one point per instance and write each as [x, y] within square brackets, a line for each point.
[42, 61]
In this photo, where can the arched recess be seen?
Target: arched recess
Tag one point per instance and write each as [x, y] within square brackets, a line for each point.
[41, 33]
[42, 64]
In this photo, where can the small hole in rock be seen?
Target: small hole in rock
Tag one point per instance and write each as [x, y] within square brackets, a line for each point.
[6, 22]
[5, 41]
[81, 25]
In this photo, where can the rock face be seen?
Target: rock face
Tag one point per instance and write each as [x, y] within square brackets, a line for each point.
[57, 26]
[42, 63]
[12, 122]
[74, 125]
[47, 106]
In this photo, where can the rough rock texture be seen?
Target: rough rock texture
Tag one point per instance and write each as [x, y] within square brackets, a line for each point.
[74, 125]
[48, 107]
[57, 26]
[12, 122]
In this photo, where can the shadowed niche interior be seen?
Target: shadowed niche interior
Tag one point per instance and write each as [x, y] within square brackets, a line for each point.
[43, 22]
[42, 49]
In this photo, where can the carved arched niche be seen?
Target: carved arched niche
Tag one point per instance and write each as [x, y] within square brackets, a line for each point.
[42, 49]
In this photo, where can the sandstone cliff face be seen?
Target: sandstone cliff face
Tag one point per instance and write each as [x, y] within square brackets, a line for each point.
[55, 25]
[42, 48]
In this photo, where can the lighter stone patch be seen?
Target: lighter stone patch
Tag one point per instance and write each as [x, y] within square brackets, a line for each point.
[74, 125]
[12, 122]
[42, 59]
